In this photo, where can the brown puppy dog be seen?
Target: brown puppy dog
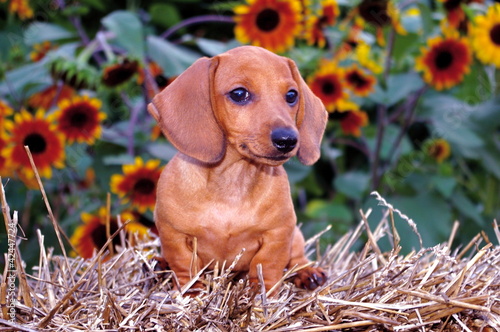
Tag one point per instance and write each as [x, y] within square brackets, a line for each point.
[235, 119]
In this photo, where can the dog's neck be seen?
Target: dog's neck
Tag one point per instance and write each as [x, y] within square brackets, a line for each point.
[235, 173]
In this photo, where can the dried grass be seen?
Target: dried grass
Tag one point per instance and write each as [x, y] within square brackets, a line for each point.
[432, 289]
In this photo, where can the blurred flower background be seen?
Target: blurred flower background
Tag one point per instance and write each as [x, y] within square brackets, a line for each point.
[411, 88]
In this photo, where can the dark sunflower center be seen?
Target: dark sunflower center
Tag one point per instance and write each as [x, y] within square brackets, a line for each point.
[436, 151]
[99, 237]
[452, 4]
[161, 81]
[328, 88]
[268, 20]
[78, 119]
[495, 35]
[144, 186]
[356, 79]
[36, 143]
[375, 12]
[338, 116]
[444, 59]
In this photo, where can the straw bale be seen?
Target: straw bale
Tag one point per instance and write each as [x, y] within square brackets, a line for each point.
[431, 289]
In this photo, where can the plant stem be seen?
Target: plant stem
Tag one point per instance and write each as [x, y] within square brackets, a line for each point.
[134, 116]
[382, 116]
[409, 108]
[196, 20]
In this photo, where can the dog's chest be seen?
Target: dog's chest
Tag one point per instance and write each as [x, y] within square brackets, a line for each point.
[224, 231]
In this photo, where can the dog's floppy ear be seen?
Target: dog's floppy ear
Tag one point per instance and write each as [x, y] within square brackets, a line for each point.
[311, 120]
[185, 114]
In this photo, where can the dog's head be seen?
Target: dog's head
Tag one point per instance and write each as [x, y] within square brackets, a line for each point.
[249, 98]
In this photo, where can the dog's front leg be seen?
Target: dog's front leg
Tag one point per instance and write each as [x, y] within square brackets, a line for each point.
[177, 250]
[273, 256]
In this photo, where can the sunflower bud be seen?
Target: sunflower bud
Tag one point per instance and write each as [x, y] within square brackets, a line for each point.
[74, 74]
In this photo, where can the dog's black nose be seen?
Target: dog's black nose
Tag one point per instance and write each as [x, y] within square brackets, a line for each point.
[284, 139]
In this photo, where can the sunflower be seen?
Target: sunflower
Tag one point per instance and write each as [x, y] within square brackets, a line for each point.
[272, 24]
[367, 59]
[80, 119]
[138, 183]
[21, 8]
[50, 96]
[45, 142]
[4, 169]
[328, 84]
[40, 50]
[445, 60]
[352, 39]
[361, 83]
[439, 149]
[455, 14]
[119, 73]
[5, 111]
[381, 13]
[485, 35]
[316, 23]
[351, 121]
[91, 236]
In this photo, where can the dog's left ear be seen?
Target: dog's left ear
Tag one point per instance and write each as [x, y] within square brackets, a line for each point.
[311, 120]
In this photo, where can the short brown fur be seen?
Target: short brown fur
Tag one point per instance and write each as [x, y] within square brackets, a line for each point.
[227, 187]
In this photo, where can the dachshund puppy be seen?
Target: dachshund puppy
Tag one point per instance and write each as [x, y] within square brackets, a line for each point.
[235, 119]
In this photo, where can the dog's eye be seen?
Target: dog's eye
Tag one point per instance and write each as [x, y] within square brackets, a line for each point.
[240, 95]
[291, 97]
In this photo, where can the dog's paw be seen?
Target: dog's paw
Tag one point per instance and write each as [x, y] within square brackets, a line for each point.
[310, 278]
[160, 264]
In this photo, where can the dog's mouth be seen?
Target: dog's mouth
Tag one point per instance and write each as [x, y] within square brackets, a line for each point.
[274, 158]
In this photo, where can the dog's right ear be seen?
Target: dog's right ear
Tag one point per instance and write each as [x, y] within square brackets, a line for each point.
[185, 114]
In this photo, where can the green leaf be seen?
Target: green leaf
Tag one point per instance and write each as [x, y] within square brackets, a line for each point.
[476, 86]
[97, 4]
[320, 209]
[77, 158]
[128, 31]
[160, 150]
[172, 58]
[353, 184]
[444, 185]
[427, 16]
[164, 14]
[458, 134]
[399, 87]
[19, 80]
[431, 214]
[490, 158]
[451, 120]
[404, 45]
[484, 117]
[296, 171]
[463, 204]
[120, 159]
[38, 32]
[391, 134]
[211, 47]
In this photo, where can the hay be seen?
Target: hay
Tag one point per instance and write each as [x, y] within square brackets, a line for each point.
[432, 289]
